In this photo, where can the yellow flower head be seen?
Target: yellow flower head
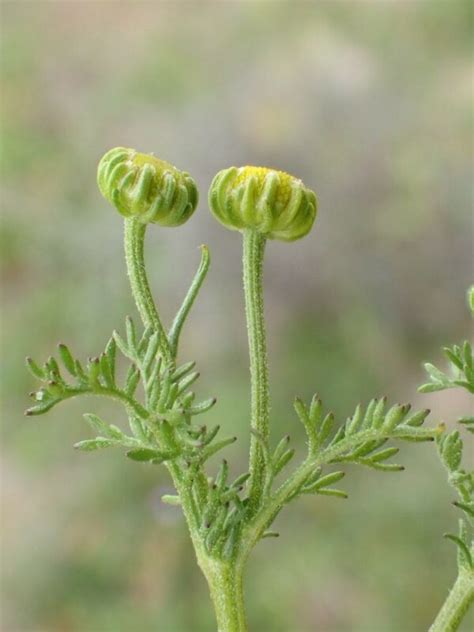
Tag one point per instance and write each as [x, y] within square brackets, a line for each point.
[147, 188]
[272, 202]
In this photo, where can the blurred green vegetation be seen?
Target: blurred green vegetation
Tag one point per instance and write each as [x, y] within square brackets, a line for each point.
[369, 103]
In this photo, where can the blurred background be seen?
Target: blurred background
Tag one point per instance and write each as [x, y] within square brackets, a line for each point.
[369, 103]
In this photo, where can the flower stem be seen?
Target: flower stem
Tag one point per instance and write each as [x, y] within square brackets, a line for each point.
[456, 605]
[134, 238]
[254, 247]
[224, 579]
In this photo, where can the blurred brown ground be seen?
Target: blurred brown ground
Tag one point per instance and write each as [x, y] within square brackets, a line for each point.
[370, 104]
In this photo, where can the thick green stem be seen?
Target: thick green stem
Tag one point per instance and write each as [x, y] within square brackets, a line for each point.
[254, 247]
[134, 238]
[456, 605]
[224, 579]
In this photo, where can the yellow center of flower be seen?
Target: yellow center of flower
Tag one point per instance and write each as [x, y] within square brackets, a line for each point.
[260, 173]
[140, 160]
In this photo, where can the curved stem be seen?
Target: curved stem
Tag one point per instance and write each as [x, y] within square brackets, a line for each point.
[134, 237]
[175, 329]
[254, 248]
[456, 605]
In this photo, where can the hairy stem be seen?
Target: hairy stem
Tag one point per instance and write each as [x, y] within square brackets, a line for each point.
[254, 247]
[134, 238]
[189, 299]
[456, 605]
[225, 583]
[224, 577]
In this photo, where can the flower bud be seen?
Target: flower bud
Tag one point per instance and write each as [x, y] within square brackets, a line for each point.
[271, 202]
[146, 188]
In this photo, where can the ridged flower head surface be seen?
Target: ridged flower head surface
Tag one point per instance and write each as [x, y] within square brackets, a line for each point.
[271, 202]
[146, 188]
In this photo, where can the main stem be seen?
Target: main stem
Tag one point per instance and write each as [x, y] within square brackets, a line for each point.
[225, 581]
[456, 605]
[224, 577]
[254, 248]
[134, 238]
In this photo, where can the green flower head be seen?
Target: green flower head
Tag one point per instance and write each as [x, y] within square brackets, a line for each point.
[146, 188]
[271, 202]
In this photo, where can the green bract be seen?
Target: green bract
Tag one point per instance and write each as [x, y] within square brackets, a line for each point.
[146, 188]
[272, 202]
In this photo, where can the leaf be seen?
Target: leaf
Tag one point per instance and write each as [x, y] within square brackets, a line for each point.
[202, 407]
[240, 480]
[222, 474]
[394, 417]
[131, 383]
[131, 334]
[338, 493]
[170, 499]
[137, 428]
[467, 354]
[315, 410]
[453, 357]
[52, 368]
[431, 388]
[467, 507]
[35, 369]
[93, 444]
[93, 370]
[283, 460]
[210, 435]
[67, 359]
[106, 371]
[280, 449]
[382, 467]
[463, 549]
[189, 299]
[213, 448]
[326, 428]
[378, 417]
[110, 352]
[122, 345]
[142, 345]
[96, 423]
[353, 422]
[369, 413]
[144, 454]
[182, 370]
[435, 374]
[384, 454]
[417, 419]
[329, 479]
[451, 450]
[151, 352]
[468, 422]
[115, 432]
[186, 382]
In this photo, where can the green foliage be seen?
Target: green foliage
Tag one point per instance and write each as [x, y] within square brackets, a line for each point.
[461, 365]
[450, 447]
[450, 450]
[360, 440]
[161, 425]
[226, 517]
[461, 361]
